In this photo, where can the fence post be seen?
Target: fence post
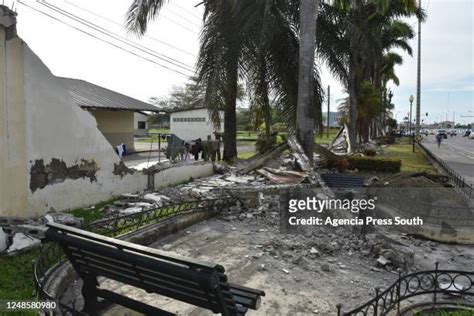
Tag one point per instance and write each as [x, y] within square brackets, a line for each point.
[376, 306]
[435, 282]
[339, 306]
[399, 285]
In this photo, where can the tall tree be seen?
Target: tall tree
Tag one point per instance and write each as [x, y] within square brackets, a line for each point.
[305, 113]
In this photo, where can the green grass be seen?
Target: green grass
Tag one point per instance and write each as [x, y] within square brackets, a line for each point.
[246, 155]
[16, 276]
[411, 162]
[159, 130]
[92, 214]
[324, 139]
[447, 313]
[150, 140]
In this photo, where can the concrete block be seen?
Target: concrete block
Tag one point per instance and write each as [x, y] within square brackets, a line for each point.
[22, 242]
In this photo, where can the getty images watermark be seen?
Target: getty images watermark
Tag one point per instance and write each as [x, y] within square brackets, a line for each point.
[299, 209]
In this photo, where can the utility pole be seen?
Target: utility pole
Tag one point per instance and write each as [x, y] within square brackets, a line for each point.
[329, 103]
[418, 81]
[410, 118]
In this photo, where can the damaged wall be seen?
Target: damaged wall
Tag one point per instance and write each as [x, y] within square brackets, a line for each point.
[67, 141]
[53, 155]
[13, 170]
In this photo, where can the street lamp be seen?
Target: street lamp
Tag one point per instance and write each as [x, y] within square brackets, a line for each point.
[411, 99]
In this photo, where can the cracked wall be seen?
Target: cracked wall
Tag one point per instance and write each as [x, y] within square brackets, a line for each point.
[53, 155]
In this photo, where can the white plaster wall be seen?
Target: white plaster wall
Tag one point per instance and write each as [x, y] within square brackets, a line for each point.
[58, 128]
[143, 118]
[193, 130]
[176, 175]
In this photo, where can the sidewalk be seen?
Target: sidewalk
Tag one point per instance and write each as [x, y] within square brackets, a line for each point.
[454, 156]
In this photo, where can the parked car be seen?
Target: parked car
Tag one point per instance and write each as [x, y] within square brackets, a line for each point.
[452, 132]
[443, 133]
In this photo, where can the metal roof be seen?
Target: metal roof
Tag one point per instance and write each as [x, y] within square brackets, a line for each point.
[91, 96]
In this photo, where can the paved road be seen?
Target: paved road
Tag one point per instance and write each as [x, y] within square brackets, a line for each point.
[457, 152]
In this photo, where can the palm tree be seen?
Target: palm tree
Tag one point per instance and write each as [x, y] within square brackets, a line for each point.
[362, 32]
[218, 62]
[305, 102]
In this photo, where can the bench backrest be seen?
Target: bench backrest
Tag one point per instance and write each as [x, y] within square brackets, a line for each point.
[195, 282]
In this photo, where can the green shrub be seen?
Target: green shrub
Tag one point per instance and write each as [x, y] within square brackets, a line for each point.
[375, 164]
[386, 140]
[370, 152]
[265, 143]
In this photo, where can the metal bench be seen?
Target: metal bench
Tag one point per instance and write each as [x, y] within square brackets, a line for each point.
[187, 280]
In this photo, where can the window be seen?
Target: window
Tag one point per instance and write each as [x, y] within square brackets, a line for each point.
[189, 119]
[141, 125]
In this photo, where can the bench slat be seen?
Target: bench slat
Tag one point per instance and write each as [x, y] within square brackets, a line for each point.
[178, 295]
[124, 245]
[191, 281]
[141, 272]
[151, 263]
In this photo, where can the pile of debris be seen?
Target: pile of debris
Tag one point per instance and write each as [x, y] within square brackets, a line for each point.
[310, 246]
[19, 234]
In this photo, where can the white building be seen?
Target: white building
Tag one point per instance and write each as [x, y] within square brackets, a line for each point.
[334, 119]
[140, 123]
[194, 124]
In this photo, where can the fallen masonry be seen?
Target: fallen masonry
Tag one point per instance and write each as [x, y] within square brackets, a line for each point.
[312, 269]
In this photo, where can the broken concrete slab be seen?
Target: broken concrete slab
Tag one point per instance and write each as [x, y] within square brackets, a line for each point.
[158, 199]
[131, 210]
[382, 261]
[283, 176]
[3, 240]
[341, 144]
[22, 242]
[302, 159]
[260, 160]
[66, 219]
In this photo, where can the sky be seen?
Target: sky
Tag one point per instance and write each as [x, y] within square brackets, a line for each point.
[169, 49]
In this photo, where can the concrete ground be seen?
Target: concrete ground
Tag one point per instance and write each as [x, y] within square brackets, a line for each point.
[302, 274]
[147, 153]
[142, 160]
[457, 152]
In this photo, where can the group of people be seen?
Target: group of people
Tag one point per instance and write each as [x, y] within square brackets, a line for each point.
[179, 149]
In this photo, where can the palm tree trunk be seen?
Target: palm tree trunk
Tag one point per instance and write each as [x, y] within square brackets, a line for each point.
[305, 103]
[230, 115]
[352, 89]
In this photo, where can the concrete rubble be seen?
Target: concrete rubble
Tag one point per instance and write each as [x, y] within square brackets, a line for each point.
[19, 234]
[22, 242]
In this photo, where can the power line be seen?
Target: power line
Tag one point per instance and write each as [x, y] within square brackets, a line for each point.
[187, 11]
[101, 39]
[119, 24]
[184, 18]
[118, 37]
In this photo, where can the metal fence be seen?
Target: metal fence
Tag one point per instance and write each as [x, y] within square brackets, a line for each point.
[435, 282]
[118, 225]
[458, 181]
[52, 255]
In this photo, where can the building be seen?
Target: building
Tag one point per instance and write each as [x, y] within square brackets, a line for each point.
[53, 156]
[114, 112]
[140, 124]
[194, 124]
[334, 119]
